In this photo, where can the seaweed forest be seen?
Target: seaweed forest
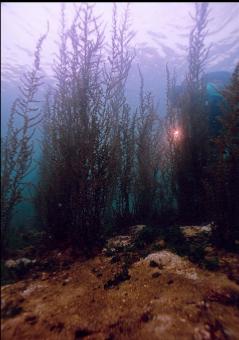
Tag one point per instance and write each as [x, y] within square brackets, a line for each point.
[104, 165]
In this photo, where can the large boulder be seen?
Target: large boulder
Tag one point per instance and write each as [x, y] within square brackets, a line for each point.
[173, 263]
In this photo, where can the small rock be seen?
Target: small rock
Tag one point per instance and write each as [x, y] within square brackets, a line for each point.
[65, 282]
[170, 281]
[155, 275]
[31, 319]
[118, 278]
[146, 317]
[44, 276]
[202, 333]
[10, 264]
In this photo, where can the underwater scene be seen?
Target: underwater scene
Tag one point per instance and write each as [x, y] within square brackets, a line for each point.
[120, 170]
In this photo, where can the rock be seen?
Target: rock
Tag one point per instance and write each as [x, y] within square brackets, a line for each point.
[10, 264]
[155, 275]
[25, 261]
[202, 333]
[30, 289]
[31, 319]
[191, 231]
[18, 268]
[164, 258]
[44, 276]
[22, 262]
[146, 316]
[118, 278]
[119, 242]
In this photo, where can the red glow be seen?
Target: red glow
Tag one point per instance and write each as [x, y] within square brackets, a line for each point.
[176, 134]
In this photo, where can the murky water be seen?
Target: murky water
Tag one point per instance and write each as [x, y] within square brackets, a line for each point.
[161, 38]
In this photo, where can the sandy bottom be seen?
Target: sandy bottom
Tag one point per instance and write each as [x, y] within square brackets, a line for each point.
[164, 297]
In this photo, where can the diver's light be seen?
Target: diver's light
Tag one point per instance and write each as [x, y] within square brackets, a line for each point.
[176, 133]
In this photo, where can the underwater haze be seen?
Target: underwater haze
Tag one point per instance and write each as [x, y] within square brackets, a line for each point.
[157, 48]
[162, 33]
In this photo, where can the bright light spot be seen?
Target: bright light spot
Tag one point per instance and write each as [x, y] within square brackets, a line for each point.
[176, 133]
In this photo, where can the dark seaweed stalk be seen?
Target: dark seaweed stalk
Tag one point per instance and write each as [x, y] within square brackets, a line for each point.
[147, 155]
[193, 120]
[17, 146]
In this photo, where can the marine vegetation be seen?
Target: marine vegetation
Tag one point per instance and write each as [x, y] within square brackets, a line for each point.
[17, 146]
[106, 165]
[136, 226]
